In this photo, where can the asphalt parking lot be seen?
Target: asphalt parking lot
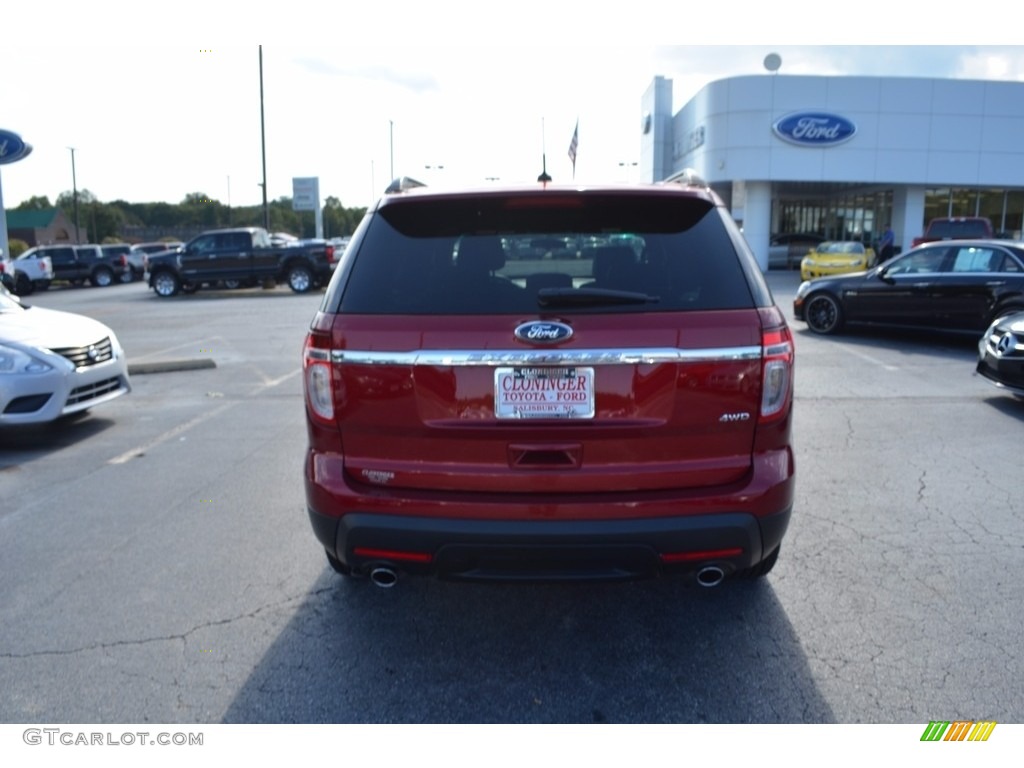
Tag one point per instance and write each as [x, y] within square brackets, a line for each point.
[158, 565]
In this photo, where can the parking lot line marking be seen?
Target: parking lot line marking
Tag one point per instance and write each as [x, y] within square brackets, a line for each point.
[268, 383]
[174, 432]
[874, 360]
[199, 344]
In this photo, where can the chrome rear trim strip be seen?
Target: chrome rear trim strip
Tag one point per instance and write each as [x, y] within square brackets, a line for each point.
[501, 357]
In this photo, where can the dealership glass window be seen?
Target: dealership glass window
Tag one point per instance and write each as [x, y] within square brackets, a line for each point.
[1004, 208]
[847, 216]
[937, 203]
[1013, 223]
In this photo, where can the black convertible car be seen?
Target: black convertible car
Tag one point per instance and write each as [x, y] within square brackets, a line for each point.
[961, 286]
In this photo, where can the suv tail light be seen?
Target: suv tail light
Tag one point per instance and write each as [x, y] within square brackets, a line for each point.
[329, 249]
[316, 375]
[776, 365]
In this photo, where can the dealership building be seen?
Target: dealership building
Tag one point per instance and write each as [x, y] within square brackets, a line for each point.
[842, 157]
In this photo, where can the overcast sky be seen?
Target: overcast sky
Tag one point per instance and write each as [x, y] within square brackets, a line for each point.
[353, 104]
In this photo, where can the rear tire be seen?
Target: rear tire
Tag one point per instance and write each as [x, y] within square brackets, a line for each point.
[166, 284]
[823, 314]
[22, 285]
[300, 278]
[102, 277]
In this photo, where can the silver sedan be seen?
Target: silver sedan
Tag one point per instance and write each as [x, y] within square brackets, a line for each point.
[55, 364]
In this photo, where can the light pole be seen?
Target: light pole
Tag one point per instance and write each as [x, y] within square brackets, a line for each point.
[74, 194]
[627, 166]
[229, 200]
[391, 144]
[263, 144]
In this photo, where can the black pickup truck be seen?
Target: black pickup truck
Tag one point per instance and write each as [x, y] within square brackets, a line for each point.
[242, 256]
[77, 263]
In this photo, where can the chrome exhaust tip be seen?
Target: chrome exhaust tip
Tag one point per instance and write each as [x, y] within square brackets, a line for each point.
[710, 576]
[384, 577]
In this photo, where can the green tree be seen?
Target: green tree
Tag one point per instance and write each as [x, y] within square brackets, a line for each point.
[16, 246]
[100, 221]
[35, 203]
[66, 200]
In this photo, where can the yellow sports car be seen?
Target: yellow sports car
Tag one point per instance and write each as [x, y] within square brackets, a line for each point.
[836, 258]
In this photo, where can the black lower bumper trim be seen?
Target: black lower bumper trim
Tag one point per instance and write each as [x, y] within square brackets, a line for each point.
[548, 550]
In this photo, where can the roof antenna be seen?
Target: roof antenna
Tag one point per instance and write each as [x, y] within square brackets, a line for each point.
[544, 156]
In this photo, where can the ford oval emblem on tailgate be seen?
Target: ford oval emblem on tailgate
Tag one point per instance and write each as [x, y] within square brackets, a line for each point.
[539, 332]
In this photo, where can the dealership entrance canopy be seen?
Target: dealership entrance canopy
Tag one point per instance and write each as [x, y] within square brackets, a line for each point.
[841, 157]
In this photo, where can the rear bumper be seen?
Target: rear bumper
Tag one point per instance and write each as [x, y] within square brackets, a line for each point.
[545, 550]
[551, 536]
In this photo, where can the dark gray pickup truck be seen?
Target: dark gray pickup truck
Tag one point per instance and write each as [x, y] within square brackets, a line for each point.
[242, 256]
[77, 263]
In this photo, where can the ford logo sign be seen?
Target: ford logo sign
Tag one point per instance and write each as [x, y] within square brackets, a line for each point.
[539, 332]
[814, 129]
[12, 148]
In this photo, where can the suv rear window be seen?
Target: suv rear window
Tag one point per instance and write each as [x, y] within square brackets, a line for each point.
[509, 254]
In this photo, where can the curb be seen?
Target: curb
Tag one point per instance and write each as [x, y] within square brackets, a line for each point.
[168, 366]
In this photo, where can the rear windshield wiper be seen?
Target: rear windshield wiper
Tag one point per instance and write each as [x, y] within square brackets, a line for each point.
[547, 297]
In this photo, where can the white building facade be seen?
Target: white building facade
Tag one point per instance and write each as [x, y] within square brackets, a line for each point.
[841, 157]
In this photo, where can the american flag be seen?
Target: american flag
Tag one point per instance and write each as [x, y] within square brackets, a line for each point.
[573, 144]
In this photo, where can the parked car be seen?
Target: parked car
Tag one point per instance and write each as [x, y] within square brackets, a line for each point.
[957, 286]
[786, 250]
[55, 364]
[77, 263]
[33, 271]
[283, 238]
[956, 228]
[138, 258]
[836, 258]
[122, 251]
[1001, 354]
[236, 257]
[6, 272]
[623, 414]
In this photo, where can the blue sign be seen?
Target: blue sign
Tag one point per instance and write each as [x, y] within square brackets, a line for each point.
[12, 148]
[539, 332]
[814, 129]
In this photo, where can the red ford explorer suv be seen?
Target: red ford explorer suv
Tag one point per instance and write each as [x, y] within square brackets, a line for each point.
[549, 382]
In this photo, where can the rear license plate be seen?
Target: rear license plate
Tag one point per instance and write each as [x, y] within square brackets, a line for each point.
[544, 393]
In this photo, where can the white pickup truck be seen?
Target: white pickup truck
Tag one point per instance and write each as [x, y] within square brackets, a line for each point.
[32, 272]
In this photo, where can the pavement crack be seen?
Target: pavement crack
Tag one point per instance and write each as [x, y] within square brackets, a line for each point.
[182, 636]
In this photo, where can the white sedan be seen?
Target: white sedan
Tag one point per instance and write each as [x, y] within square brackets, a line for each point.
[54, 364]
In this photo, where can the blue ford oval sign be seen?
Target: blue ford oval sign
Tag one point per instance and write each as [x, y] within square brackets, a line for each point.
[814, 129]
[12, 148]
[540, 332]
